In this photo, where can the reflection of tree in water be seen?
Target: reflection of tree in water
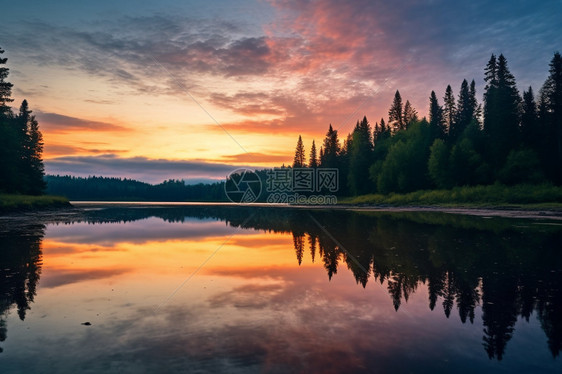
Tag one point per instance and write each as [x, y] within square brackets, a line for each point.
[20, 267]
[509, 271]
[464, 261]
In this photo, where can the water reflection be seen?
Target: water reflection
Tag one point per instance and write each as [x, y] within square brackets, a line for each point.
[503, 270]
[20, 268]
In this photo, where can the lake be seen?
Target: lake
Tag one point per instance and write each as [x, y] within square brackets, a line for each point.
[219, 288]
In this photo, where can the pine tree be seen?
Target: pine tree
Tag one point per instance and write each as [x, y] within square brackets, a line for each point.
[410, 114]
[501, 111]
[5, 88]
[8, 139]
[476, 108]
[299, 160]
[530, 132]
[436, 119]
[449, 108]
[24, 146]
[465, 112]
[551, 116]
[360, 158]
[313, 162]
[331, 149]
[36, 175]
[395, 113]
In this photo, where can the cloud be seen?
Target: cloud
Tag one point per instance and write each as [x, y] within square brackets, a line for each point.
[253, 157]
[58, 123]
[317, 62]
[140, 168]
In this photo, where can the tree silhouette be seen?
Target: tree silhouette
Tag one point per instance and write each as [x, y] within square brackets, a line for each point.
[5, 88]
[410, 114]
[436, 119]
[396, 113]
[501, 111]
[21, 164]
[330, 149]
[313, 161]
[449, 108]
[299, 160]
[551, 115]
[360, 158]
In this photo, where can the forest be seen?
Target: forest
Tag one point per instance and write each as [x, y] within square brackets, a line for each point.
[510, 139]
[21, 148]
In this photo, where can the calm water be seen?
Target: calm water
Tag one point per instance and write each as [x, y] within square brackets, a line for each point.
[234, 289]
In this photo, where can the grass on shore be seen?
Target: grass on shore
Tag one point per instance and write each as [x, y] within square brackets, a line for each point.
[531, 196]
[10, 203]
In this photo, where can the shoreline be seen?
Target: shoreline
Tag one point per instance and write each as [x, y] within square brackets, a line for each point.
[507, 211]
[72, 208]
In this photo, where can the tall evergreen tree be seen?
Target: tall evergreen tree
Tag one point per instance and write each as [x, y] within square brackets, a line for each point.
[551, 116]
[410, 114]
[331, 149]
[360, 158]
[530, 132]
[436, 120]
[5, 87]
[396, 114]
[465, 112]
[313, 162]
[299, 160]
[36, 182]
[9, 145]
[476, 108]
[449, 108]
[501, 111]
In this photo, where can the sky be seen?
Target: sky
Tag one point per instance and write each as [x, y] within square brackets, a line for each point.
[196, 89]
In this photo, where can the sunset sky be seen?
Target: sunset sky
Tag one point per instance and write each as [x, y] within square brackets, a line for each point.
[194, 89]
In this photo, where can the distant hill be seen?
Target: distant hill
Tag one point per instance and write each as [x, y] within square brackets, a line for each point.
[117, 189]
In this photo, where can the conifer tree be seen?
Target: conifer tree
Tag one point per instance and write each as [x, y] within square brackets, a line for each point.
[529, 124]
[5, 88]
[410, 114]
[501, 111]
[36, 174]
[464, 113]
[331, 149]
[436, 119]
[360, 158]
[299, 160]
[551, 116]
[395, 113]
[313, 162]
[449, 108]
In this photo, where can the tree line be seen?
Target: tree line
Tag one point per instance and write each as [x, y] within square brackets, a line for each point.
[123, 189]
[21, 147]
[511, 139]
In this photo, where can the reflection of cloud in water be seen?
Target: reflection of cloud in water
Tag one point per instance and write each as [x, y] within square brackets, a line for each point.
[290, 324]
[63, 277]
[141, 231]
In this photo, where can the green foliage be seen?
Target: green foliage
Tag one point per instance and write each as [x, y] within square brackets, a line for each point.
[360, 158]
[405, 167]
[522, 166]
[10, 203]
[21, 145]
[438, 164]
[496, 194]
